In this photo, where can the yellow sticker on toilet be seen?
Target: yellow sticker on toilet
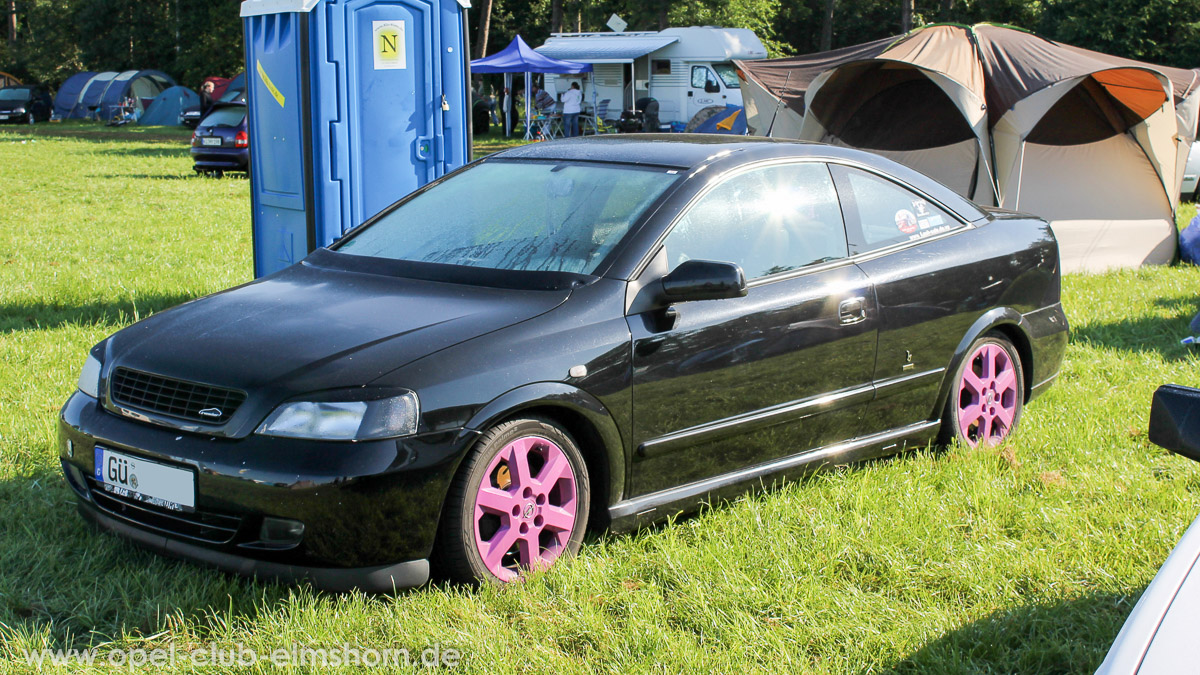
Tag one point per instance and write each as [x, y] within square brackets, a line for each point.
[268, 83]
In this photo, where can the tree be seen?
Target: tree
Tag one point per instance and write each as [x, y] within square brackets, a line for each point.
[485, 26]
[556, 16]
[827, 26]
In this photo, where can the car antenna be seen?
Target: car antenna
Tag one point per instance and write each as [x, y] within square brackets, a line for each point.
[778, 103]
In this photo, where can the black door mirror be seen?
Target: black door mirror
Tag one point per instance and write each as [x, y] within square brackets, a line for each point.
[1175, 420]
[704, 280]
[712, 87]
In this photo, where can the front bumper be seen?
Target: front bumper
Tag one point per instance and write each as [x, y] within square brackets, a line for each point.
[370, 509]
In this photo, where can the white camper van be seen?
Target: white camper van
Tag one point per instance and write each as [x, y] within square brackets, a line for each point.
[684, 69]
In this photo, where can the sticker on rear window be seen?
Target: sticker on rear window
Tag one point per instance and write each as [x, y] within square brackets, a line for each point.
[906, 221]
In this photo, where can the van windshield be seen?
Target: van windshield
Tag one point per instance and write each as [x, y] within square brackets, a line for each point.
[728, 75]
[14, 94]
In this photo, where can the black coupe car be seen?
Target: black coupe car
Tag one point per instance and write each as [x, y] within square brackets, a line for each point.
[596, 332]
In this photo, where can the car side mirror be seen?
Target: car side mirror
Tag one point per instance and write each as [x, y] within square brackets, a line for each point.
[1175, 420]
[712, 87]
[704, 280]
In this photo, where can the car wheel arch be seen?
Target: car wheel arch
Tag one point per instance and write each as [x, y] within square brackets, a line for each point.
[1003, 320]
[585, 418]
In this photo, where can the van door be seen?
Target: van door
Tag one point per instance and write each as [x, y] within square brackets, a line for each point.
[704, 89]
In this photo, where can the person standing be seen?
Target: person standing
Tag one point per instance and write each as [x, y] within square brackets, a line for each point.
[206, 97]
[572, 103]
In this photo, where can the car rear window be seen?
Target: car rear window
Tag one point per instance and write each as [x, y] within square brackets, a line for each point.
[224, 117]
[518, 215]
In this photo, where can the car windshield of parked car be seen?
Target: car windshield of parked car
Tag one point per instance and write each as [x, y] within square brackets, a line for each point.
[14, 94]
[518, 215]
[728, 75]
[224, 117]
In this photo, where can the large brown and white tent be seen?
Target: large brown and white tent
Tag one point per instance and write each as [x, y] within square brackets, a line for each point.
[1094, 143]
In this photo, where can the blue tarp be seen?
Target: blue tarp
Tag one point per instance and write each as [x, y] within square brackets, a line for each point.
[732, 120]
[69, 93]
[517, 57]
[167, 108]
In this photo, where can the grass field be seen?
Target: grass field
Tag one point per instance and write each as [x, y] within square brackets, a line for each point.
[1024, 558]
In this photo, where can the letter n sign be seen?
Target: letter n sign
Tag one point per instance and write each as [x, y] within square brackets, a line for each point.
[388, 43]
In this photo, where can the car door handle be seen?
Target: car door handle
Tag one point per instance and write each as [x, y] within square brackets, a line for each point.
[852, 311]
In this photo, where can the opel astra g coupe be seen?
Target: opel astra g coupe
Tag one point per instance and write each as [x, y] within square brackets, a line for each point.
[595, 332]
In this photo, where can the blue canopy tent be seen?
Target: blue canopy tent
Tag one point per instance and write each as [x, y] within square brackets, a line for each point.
[167, 108]
[517, 57]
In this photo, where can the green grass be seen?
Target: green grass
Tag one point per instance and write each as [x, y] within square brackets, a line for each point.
[1026, 558]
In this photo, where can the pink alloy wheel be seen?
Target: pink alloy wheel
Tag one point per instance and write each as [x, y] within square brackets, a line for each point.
[525, 507]
[987, 396]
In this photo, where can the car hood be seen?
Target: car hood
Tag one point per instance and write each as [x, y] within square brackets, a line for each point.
[310, 328]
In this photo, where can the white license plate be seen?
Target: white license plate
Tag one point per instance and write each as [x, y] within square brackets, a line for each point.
[3, 117]
[209, 140]
[145, 481]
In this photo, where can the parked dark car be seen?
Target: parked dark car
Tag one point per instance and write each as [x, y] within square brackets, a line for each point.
[25, 104]
[626, 327]
[222, 141]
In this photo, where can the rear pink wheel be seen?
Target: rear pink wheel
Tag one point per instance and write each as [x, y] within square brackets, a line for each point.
[985, 404]
[520, 503]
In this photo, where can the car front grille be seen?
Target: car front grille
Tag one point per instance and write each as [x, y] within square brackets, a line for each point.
[175, 398]
[203, 526]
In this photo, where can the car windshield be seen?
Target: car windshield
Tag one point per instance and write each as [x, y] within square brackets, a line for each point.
[728, 75]
[518, 215]
[14, 94]
[224, 117]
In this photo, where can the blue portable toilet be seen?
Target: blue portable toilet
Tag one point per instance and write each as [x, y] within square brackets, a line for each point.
[352, 105]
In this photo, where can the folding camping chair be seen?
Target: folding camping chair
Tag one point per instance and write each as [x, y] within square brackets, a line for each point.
[596, 123]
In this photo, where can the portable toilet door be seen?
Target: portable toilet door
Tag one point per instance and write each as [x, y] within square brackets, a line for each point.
[353, 105]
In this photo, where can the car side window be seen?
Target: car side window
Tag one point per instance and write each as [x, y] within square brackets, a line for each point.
[768, 220]
[880, 213]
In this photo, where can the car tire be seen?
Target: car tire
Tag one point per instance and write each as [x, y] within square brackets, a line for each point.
[499, 521]
[987, 394]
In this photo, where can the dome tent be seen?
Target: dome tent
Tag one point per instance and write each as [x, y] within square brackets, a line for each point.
[138, 85]
[88, 102]
[101, 94]
[167, 108]
[69, 92]
[1007, 118]
[7, 80]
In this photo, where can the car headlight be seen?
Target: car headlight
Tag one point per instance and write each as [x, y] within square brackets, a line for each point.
[344, 420]
[89, 377]
[19, 111]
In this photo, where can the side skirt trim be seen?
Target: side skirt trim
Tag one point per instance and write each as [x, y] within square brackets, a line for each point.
[693, 491]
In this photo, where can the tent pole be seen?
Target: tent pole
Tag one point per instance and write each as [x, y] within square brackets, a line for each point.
[1020, 176]
[528, 106]
[507, 110]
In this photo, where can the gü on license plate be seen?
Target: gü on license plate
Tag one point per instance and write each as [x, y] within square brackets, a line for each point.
[210, 140]
[145, 481]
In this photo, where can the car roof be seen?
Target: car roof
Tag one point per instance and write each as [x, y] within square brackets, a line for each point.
[681, 150]
[691, 151]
